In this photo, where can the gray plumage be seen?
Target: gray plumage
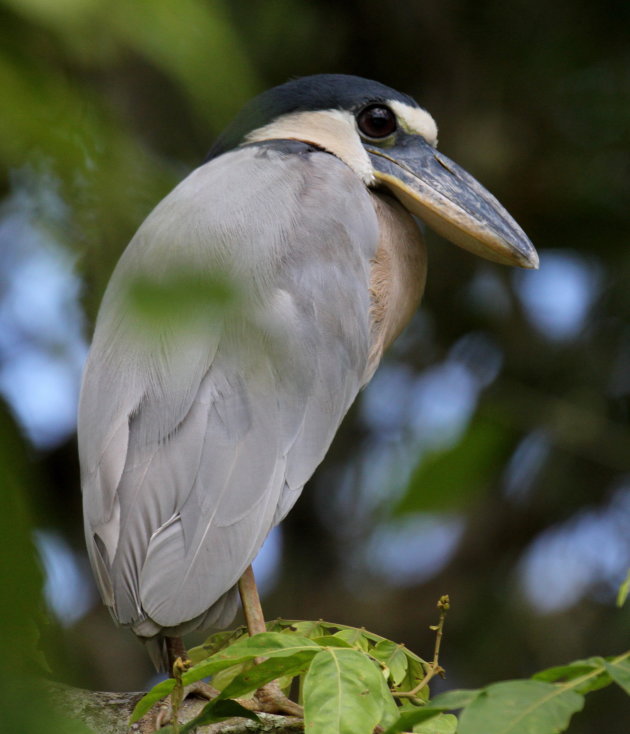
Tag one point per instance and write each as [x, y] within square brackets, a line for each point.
[192, 453]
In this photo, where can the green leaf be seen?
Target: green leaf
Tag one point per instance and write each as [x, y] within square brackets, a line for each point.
[353, 637]
[442, 724]
[342, 693]
[619, 671]
[266, 644]
[216, 642]
[415, 673]
[218, 709]
[223, 678]
[521, 707]
[591, 670]
[456, 699]
[624, 590]
[408, 719]
[331, 641]
[564, 672]
[212, 666]
[303, 628]
[393, 656]
[156, 694]
[390, 711]
[593, 683]
[329, 628]
[360, 630]
[267, 671]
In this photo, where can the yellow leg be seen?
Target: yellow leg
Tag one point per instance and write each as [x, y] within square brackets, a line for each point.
[270, 697]
[252, 609]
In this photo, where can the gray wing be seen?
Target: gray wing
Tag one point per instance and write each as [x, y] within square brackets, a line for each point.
[194, 444]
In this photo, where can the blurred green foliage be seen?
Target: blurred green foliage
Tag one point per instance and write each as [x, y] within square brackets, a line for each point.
[454, 477]
[25, 701]
[110, 103]
[185, 297]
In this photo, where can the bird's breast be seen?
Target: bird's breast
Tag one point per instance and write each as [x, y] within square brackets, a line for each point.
[397, 275]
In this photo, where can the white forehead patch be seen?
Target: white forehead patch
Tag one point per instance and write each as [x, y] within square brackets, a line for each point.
[332, 130]
[415, 120]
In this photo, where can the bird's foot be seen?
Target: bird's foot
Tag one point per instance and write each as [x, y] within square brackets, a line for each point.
[199, 689]
[268, 699]
[271, 700]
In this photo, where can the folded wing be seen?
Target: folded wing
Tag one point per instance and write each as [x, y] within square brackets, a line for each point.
[197, 438]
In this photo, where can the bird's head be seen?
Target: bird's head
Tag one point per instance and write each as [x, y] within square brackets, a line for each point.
[390, 142]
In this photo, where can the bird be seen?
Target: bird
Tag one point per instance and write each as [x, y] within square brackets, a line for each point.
[197, 436]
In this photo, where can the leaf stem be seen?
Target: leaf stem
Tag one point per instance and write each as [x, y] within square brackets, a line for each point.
[434, 667]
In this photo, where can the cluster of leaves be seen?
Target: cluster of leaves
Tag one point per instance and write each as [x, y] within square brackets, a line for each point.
[348, 679]
[351, 681]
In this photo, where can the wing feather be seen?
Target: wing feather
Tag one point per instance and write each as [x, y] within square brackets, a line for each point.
[195, 444]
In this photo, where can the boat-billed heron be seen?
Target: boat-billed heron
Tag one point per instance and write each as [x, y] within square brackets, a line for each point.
[197, 436]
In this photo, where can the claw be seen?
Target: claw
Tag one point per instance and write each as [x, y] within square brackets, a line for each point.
[272, 700]
[164, 715]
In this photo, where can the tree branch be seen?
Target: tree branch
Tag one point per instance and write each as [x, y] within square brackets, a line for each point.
[108, 713]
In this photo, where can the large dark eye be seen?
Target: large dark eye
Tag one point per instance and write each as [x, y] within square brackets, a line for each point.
[376, 121]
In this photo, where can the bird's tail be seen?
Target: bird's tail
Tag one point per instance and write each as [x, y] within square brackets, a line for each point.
[156, 647]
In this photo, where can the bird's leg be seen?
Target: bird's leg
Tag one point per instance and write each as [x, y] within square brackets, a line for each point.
[175, 649]
[270, 697]
[178, 663]
[252, 609]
